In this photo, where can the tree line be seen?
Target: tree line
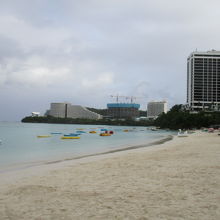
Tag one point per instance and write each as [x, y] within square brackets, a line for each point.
[177, 118]
[56, 120]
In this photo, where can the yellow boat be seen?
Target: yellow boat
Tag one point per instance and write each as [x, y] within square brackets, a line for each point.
[105, 134]
[126, 130]
[92, 132]
[70, 137]
[43, 136]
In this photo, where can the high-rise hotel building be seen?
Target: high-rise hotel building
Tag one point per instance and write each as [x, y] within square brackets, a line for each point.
[154, 108]
[203, 80]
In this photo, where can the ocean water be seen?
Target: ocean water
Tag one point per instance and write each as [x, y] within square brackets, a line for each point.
[20, 145]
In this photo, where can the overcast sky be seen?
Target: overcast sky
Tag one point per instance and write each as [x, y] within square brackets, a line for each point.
[83, 51]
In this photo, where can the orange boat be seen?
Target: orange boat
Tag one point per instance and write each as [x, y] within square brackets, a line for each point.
[70, 137]
[43, 136]
[105, 134]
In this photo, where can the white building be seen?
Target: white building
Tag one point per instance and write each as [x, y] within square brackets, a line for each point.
[35, 114]
[155, 108]
[67, 110]
[203, 80]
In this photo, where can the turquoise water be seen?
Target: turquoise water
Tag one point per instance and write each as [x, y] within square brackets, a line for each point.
[20, 144]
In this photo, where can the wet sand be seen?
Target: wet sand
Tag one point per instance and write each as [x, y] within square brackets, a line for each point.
[179, 179]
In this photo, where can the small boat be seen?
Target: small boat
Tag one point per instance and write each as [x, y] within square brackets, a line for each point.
[80, 132]
[126, 130]
[56, 133]
[92, 132]
[43, 136]
[154, 129]
[70, 137]
[182, 134]
[105, 134]
[111, 132]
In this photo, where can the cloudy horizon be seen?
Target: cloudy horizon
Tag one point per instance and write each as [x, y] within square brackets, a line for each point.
[84, 51]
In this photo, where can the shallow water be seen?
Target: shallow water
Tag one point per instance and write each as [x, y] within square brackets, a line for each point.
[21, 146]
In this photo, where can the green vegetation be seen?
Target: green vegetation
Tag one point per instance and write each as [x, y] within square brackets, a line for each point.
[142, 113]
[55, 120]
[176, 118]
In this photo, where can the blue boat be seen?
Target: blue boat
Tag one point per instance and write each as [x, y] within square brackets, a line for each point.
[80, 132]
[71, 135]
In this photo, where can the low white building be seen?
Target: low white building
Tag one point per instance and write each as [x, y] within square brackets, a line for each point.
[67, 110]
[155, 108]
[35, 114]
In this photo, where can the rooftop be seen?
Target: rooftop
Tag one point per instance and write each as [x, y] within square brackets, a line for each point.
[205, 53]
[123, 105]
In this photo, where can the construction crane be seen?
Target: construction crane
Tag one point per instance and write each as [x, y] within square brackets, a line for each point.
[131, 98]
[117, 97]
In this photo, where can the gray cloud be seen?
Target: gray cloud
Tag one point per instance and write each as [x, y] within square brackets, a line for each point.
[84, 51]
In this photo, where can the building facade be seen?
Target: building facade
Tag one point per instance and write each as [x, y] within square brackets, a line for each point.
[67, 110]
[203, 80]
[123, 110]
[154, 109]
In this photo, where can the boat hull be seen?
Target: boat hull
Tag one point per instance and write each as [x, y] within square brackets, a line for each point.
[70, 137]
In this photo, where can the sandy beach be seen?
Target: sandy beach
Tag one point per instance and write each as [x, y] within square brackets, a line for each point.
[179, 179]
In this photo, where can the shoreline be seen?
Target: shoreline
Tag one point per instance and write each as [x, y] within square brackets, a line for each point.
[158, 142]
[179, 179]
[17, 167]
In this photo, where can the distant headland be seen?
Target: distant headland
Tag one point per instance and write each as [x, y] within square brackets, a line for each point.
[57, 120]
[176, 118]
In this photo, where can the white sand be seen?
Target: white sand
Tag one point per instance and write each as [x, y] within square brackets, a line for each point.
[179, 179]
